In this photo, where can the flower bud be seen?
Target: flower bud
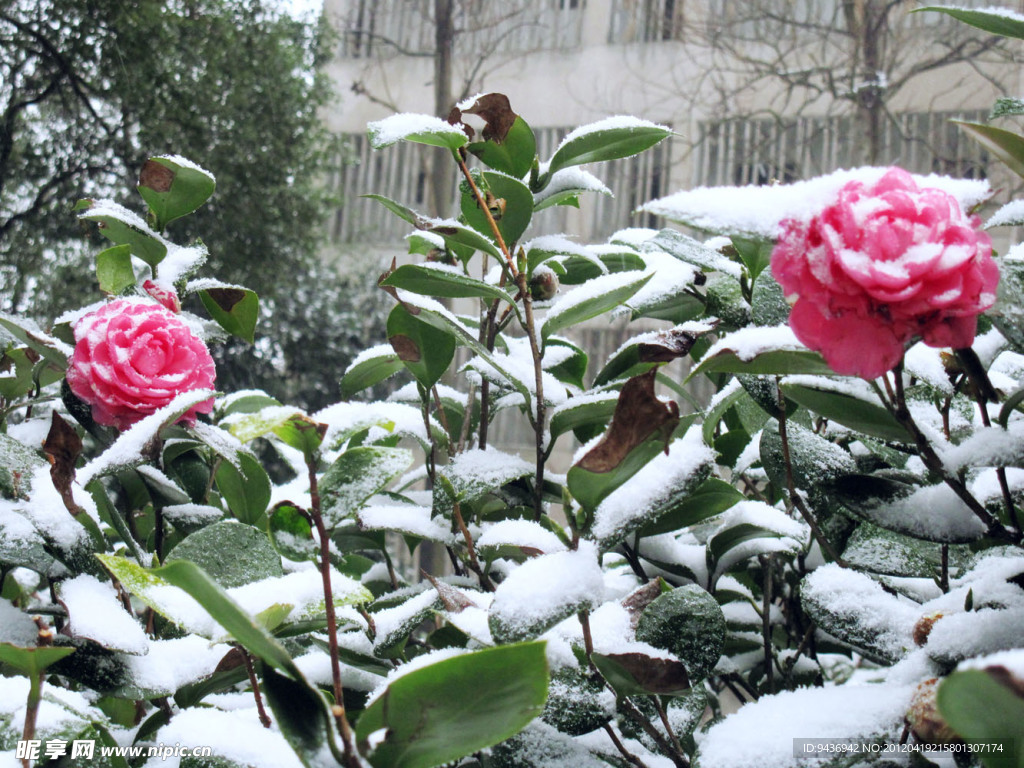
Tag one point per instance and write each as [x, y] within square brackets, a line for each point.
[166, 296]
[543, 284]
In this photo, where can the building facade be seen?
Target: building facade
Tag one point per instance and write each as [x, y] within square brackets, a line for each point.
[756, 91]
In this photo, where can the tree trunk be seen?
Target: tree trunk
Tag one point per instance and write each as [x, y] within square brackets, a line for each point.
[441, 190]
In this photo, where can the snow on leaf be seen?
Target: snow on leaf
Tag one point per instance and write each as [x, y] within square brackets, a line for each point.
[408, 519]
[652, 491]
[761, 733]
[127, 451]
[171, 664]
[758, 210]
[96, 614]
[235, 736]
[544, 590]
[424, 128]
[520, 533]
[854, 608]
[476, 472]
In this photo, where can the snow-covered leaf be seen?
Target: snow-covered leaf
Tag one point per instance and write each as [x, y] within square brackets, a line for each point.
[440, 713]
[594, 298]
[421, 129]
[174, 187]
[543, 591]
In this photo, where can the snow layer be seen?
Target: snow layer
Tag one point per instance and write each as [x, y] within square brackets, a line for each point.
[762, 733]
[758, 210]
[95, 613]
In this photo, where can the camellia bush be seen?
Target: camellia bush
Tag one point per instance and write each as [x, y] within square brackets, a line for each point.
[822, 565]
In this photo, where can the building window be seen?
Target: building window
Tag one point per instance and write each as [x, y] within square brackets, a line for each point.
[386, 28]
[635, 21]
[762, 151]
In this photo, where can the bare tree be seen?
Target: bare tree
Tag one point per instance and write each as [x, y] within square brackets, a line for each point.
[864, 59]
[464, 41]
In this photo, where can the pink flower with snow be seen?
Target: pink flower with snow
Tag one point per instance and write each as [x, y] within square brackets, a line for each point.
[880, 266]
[134, 357]
[165, 296]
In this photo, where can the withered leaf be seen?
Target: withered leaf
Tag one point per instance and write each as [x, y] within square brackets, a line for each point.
[497, 113]
[226, 298]
[668, 345]
[405, 348]
[156, 176]
[452, 599]
[640, 598]
[232, 660]
[63, 447]
[653, 675]
[639, 414]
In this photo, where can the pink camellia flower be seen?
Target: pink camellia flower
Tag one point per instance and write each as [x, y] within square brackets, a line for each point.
[132, 358]
[165, 296]
[882, 265]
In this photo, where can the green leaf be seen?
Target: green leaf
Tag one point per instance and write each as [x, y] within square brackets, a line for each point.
[711, 498]
[173, 187]
[32, 336]
[599, 296]
[436, 280]
[401, 211]
[246, 491]
[724, 358]
[692, 251]
[442, 712]
[371, 367]
[300, 712]
[583, 411]
[688, 622]
[291, 425]
[731, 545]
[420, 129]
[989, 20]
[291, 532]
[511, 203]
[114, 269]
[357, 475]
[123, 227]
[829, 400]
[756, 255]
[232, 554]
[1006, 145]
[189, 577]
[984, 710]
[234, 309]
[449, 324]
[605, 140]
[513, 155]
[573, 368]
[32, 661]
[423, 348]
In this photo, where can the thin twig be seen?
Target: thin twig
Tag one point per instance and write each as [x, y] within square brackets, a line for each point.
[897, 406]
[264, 718]
[766, 623]
[629, 756]
[338, 710]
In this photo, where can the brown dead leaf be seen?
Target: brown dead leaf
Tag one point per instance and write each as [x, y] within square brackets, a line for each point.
[405, 348]
[639, 414]
[452, 599]
[226, 298]
[156, 176]
[63, 447]
[668, 345]
[640, 598]
[653, 675]
[497, 113]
